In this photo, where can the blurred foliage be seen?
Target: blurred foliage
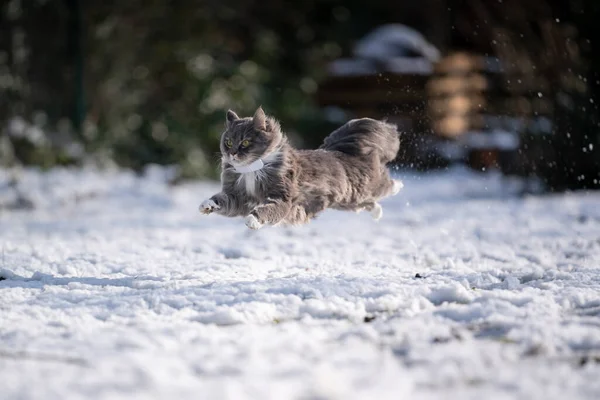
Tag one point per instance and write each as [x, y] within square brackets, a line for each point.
[158, 75]
[139, 82]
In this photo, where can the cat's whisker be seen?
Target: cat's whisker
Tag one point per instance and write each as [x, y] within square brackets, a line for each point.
[217, 158]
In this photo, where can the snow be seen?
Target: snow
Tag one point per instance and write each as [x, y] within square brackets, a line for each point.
[19, 128]
[494, 139]
[395, 40]
[392, 48]
[116, 287]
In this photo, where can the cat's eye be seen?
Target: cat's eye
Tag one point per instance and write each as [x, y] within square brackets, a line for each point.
[228, 143]
[245, 143]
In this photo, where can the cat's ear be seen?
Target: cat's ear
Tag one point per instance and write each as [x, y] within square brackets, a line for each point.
[260, 120]
[231, 116]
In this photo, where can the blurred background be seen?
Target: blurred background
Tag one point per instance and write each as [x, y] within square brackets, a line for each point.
[506, 85]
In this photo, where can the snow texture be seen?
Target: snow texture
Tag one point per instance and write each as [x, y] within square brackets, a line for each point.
[116, 287]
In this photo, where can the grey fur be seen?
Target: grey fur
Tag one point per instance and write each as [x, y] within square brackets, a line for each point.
[348, 172]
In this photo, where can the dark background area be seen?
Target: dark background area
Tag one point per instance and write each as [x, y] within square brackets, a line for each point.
[142, 82]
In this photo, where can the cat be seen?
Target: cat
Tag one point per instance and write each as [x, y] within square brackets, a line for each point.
[268, 182]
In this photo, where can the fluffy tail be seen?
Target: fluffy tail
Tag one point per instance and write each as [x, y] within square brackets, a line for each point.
[365, 136]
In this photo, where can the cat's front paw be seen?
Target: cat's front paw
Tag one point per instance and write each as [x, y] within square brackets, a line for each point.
[208, 206]
[252, 222]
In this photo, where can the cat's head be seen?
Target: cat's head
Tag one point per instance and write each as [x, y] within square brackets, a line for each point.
[245, 140]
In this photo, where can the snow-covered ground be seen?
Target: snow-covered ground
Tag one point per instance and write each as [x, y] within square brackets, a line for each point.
[128, 292]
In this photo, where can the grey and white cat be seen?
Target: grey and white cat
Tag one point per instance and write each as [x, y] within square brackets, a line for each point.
[268, 182]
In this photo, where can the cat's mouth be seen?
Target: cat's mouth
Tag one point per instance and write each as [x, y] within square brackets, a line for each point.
[237, 162]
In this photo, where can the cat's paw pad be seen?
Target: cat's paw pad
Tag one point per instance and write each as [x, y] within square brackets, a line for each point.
[377, 212]
[252, 222]
[398, 185]
[208, 206]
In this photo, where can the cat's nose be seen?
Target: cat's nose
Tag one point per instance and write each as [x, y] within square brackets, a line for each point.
[233, 154]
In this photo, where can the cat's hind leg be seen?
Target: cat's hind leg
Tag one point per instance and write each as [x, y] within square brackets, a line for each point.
[391, 187]
[297, 216]
[386, 186]
[377, 212]
[397, 185]
[375, 209]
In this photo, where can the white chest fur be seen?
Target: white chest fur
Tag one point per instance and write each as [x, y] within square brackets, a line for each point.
[249, 181]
